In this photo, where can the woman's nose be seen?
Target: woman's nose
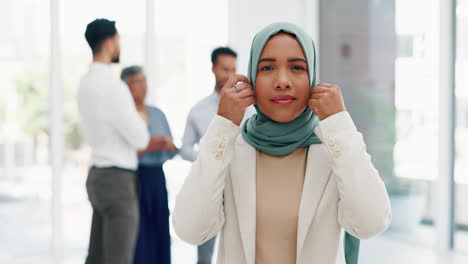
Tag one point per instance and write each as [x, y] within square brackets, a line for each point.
[282, 80]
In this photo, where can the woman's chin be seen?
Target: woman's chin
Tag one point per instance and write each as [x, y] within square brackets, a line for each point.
[282, 118]
[281, 114]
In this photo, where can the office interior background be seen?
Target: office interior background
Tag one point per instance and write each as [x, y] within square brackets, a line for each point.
[402, 66]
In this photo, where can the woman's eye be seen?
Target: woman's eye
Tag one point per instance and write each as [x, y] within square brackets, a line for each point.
[298, 68]
[266, 68]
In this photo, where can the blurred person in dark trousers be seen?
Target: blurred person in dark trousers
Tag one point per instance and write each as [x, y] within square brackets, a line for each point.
[154, 241]
[115, 131]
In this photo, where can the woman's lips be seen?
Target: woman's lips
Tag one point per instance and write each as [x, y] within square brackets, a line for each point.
[283, 99]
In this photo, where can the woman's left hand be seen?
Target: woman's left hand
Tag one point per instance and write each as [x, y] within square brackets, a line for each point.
[326, 100]
[170, 145]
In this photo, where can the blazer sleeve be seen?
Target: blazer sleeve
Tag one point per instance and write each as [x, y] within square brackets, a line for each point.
[364, 207]
[198, 213]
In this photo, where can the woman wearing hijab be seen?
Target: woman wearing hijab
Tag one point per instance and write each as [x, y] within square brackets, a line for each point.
[153, 242]
[287, 185]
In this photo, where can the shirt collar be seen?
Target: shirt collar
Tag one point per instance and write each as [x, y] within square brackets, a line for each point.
[100, 65]
[215, 95]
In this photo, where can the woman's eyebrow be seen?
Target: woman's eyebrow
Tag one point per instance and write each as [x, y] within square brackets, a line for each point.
[289, 60]
[266, 59]
[297, 59]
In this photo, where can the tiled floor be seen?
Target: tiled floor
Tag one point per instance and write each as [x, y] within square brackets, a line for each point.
[25, 228]
[388, 250]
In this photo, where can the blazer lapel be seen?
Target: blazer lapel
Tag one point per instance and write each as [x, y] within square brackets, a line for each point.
[317, 174]
[243, 178]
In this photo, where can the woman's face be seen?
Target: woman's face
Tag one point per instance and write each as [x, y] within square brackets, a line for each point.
[138, 86]
[282, 85]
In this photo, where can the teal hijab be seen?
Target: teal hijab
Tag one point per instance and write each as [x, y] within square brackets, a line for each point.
[262, 132]
[276, 138]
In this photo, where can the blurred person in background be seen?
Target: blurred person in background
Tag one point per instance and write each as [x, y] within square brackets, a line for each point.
[115, 132]
[154, 242]
[223, 61]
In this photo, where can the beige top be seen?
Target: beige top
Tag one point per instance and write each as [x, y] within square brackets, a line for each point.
[279, 189]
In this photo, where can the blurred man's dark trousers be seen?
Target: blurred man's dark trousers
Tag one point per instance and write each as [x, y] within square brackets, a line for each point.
[113, 195]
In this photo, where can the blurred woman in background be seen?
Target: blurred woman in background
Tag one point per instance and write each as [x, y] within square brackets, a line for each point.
[153, 243]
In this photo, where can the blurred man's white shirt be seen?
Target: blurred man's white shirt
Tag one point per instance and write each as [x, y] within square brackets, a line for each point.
[111, 124]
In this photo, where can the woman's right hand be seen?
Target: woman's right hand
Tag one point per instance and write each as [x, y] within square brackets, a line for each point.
[234, 102]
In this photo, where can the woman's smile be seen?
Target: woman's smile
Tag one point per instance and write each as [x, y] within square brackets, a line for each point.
[283, 99]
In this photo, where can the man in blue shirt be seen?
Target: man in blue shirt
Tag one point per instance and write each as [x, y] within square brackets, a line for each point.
[224, 65]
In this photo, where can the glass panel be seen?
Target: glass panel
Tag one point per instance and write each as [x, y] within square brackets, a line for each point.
[25, 176]
[416, 124]
[383, 58]
[461, 130]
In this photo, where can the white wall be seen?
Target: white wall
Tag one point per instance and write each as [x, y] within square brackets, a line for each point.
[246, 18]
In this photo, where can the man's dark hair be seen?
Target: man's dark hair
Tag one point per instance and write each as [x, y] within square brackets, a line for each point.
[98, 31]
[221, 51]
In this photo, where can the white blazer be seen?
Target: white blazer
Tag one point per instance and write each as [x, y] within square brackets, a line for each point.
[342, 191]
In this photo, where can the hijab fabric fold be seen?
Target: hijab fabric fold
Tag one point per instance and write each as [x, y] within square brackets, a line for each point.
[276, 138]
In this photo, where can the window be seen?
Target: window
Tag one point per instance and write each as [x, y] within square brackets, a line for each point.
[461, 128]
[25, 188]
